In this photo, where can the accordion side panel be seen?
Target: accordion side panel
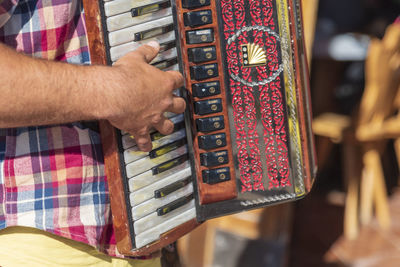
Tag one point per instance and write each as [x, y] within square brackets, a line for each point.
[98, 56]
[97, 46]
[115, 187]
[303, 92]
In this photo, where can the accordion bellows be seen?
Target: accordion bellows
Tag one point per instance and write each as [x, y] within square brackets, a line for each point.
[245, 141]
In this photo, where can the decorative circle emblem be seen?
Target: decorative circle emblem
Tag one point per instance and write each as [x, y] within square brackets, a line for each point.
[253, 55]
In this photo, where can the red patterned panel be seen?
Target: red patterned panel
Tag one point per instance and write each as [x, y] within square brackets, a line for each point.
[240, 27]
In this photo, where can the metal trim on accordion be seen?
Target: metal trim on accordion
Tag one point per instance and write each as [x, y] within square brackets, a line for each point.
[245, 141]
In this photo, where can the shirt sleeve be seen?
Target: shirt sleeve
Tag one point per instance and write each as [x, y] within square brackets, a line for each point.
[7, 8]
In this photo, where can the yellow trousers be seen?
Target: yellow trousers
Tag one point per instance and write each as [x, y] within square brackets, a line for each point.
[23, 246]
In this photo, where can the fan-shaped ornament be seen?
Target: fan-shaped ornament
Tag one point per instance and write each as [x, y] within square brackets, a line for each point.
[253, 55]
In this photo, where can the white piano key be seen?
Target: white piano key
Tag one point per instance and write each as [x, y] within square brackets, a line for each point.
[128, 141]
[153, 234]
[134, 153]
[117, 52]
[147, 192]
[169, 115]
[121, 6]
[147, 178]
[144, 164]
[153, 204]
[165, 55]
[125, 20]
[153, 219]
[173, 67]
[128, 34]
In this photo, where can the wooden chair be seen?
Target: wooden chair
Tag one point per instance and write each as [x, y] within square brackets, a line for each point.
[366, 134]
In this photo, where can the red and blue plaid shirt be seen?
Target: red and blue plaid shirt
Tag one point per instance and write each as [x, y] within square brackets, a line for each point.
[52, 178]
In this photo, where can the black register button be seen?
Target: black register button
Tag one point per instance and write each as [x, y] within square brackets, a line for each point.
[202, 54]
[210, 124]
[200, 36]
[197, 18]
[195, 3]
[208, 106]
[216, 175]
[212, 141]
[203, 72]
[206, 89]
[211, 159]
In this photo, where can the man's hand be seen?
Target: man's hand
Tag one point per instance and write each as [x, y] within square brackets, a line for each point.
[132, 94]
[139, 94]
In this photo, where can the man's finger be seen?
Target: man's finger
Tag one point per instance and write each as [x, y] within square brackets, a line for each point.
[178, 105]
[144, 142]
[148, 51]
[164, 126]
[177, 78]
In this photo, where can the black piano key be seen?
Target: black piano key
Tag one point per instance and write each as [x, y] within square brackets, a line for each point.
[197, 18]
[209, 106]
[207, 142]
[167, 45]
[170, 188]
[174, 205]
[202, 54]
[165, 63]
[200, 36]
[215, 176]
[210, 124]
[212, 159]
[166, 148]
[151, 8]
[169, 164]
[152, 32]
[195, 3]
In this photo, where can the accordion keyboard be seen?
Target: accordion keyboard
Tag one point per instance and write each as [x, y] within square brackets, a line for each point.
[158, 183]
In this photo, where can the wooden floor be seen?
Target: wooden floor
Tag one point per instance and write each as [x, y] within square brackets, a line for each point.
[317, 239]
[373, 247]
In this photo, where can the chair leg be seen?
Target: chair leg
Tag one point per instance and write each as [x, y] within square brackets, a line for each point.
[352, 179]
[367, 186]
[380, 193]
[376, 190]
[397, 150]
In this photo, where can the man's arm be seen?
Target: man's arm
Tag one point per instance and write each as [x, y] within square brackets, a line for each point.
[132, 94]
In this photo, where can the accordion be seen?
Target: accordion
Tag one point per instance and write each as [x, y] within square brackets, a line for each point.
[245, 140]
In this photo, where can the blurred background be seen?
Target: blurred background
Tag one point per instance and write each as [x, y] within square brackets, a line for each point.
[352, 215]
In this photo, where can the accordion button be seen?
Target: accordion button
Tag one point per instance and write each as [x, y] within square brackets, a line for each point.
[211, 159]
[207, 142]
[215, 176]
[203, 72]
[197, 18]
[210, 124]
[202, 54]
[206, 89]
[200, 36]
[195, 3]
[208, 106]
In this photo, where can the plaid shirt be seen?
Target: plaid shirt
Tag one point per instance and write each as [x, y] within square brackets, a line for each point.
[52, 178]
